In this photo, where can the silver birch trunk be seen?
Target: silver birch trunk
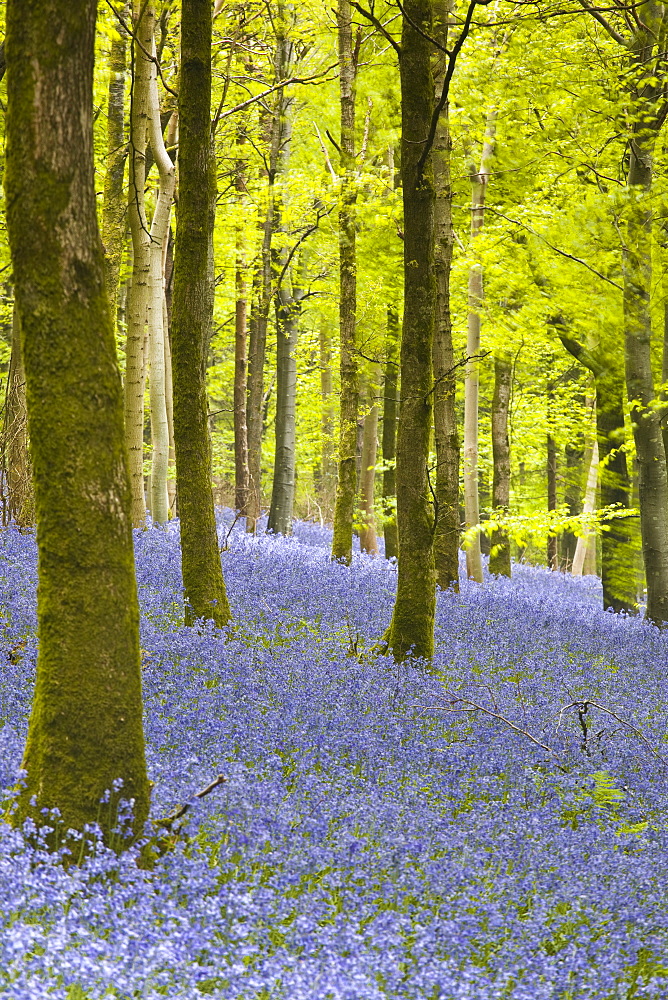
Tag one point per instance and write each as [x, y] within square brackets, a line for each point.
[159, 233]
[139, 289]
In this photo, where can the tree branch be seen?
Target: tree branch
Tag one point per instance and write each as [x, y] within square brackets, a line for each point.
[377, 24]
[604, 23]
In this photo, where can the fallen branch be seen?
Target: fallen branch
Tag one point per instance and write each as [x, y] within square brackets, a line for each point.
[168, 821]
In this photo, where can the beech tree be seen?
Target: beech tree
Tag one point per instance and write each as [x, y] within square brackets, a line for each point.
[204, 587]
[85, 730]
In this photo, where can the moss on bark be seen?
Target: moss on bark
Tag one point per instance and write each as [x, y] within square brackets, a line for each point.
[85, 728]
[203, 583]
[412, 625]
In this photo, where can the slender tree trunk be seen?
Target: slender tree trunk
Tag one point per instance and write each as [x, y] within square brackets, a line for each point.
[85, 729]
[572, 499]
[368, 538]
[479, 182]
[241, 473]
[114, 224]
[327, 420]
[552, 558]
[412, 627]
[156, 311]
[390, 435]
[287, 332]
[342, 540]
[204, 587]
[446, 437]
[138, 297]
[588, 507]
[278, 153]
[499, 557]
[21, 495]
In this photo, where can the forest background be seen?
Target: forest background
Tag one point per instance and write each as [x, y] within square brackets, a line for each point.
[550, 250]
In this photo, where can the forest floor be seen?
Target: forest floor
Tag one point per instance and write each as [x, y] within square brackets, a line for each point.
[377, 836]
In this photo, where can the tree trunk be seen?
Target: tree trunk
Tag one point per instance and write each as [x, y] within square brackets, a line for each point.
[412, 627]
[572, 499]
[499, 557]
[21, 495]
[588, 507]
[287, 332]
[327, 421]
[446, 437]
[645, 418]
[552, 559]
[114, 222]
[368, 538]
[138, 297]
[342, 540]
[390, 435]
[204, 587]
[241, 473]
[617, 547]
[85, 729]
[278, 152]
[156, 311]
[479, 182]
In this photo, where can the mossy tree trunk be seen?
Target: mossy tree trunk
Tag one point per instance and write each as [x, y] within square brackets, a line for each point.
[446, 437]
[346, 486]
[114, 219]
[390, 434]
[204, 587]
[499, 557]
[412, 627]
[85, 729]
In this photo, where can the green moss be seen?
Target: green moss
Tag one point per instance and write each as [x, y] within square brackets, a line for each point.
[85, 728]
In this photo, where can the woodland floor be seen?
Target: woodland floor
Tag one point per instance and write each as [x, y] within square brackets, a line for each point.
[369, 842]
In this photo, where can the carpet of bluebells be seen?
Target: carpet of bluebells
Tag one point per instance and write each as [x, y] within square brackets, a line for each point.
[377, 836]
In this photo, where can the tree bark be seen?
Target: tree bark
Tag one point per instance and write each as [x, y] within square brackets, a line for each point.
[446, 436]
[278, 152]
[499, 557]
[551, 470]
[412, 627]
[368, 538]
[204, 587]
[138, 298]
[588, 507]
[479, 182]
[342, 539]
[287, 332]
[156, 311]
[241, 473]
[114, 224]
[85, 729]
[20, 506]
[327, 421]
[617, 548]
[390, 435]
